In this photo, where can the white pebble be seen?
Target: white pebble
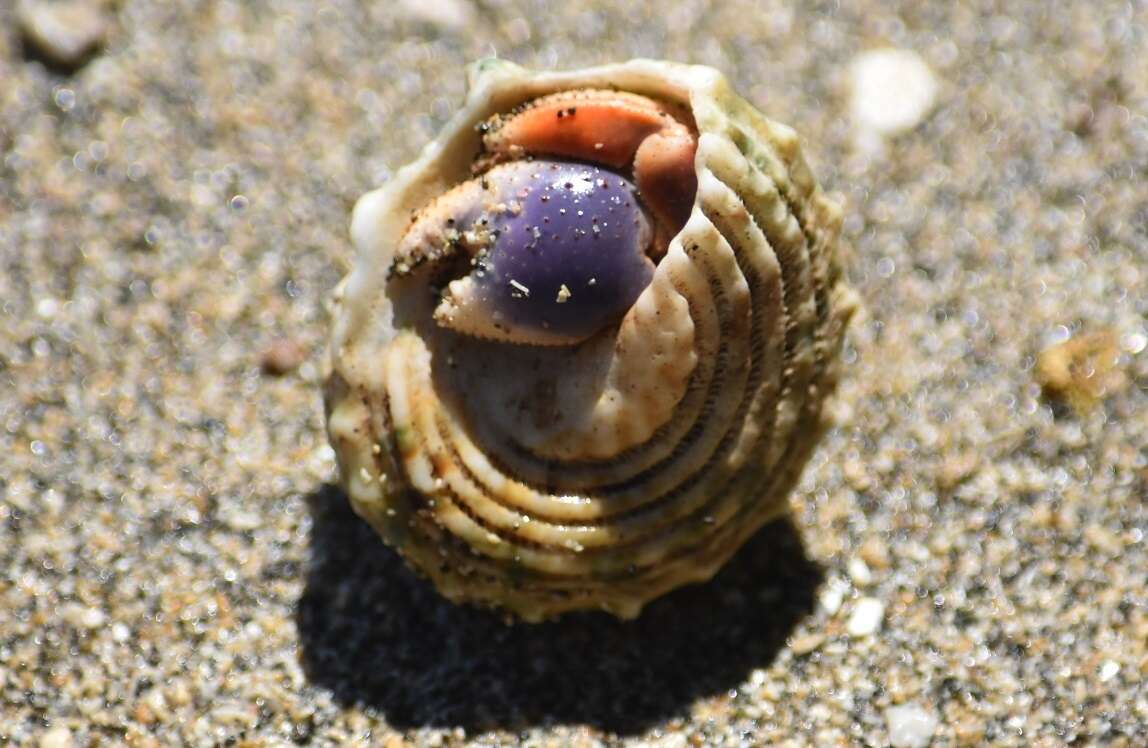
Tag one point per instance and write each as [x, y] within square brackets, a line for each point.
[866, 617]
[81, 617]
[859, 573]
[893, 91]
[831, 598]
[1135, 342]
[120, 632]
[233, 714]
[240, 520]
[1109, 669]
[673, 740]
[47, 308]
[910, 726]
[64, 33]
[57, 737]
[449, 15]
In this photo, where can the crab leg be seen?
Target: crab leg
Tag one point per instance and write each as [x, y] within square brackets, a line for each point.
[614, 129]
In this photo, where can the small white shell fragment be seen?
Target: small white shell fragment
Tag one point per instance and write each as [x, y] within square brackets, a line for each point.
[859, 572]
[448, 15]
[57, 737]
[910, 726]
[866, 618]
[63, 33]
[120, 632]
[82, 617]
[1109, 669]
[1134, 342]
[892, 91]
[832, 597]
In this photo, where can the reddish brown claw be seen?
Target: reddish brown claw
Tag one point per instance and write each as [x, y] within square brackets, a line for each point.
[615, 129]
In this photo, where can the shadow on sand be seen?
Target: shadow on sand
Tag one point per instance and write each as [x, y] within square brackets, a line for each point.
[375, 634]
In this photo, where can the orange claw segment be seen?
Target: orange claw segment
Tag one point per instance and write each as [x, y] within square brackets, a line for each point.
[602, 126]
[615, 129]
[665, 176]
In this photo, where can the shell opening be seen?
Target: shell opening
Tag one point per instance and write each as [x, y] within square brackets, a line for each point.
[552, 250]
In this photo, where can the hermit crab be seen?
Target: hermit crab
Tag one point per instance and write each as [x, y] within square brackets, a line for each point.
[583, 353]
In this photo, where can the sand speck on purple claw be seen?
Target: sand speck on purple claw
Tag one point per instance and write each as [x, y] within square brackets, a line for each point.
[552, 228]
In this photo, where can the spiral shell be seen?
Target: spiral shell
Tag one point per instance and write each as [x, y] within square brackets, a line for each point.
[602, 473]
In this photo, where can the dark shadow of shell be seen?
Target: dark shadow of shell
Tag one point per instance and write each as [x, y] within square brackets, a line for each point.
[376, 635]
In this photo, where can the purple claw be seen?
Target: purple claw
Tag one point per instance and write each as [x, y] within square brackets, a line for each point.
[559, 254]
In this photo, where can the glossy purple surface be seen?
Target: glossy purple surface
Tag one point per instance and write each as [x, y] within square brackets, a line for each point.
[570, 253]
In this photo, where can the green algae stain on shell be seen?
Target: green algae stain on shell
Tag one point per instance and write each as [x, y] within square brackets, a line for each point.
[540, 474]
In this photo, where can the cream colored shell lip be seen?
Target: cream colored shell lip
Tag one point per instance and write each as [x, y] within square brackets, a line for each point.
[604, 475]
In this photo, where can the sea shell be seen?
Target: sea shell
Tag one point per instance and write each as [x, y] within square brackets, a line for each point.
[606, 469]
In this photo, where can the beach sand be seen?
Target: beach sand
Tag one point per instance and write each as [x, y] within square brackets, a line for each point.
[966, 559]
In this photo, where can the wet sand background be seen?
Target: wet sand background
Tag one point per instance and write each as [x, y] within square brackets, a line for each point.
[176, 566]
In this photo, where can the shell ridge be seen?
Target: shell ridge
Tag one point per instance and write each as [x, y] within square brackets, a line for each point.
[717, 285]
[709, 359]
[683, 276]
[678, 512]
[766, 349]
[793, 255]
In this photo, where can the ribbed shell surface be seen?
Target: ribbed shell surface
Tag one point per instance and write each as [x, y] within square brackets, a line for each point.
[546, 480]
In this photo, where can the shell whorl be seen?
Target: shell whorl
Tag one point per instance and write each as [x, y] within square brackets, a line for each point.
[542, 480]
